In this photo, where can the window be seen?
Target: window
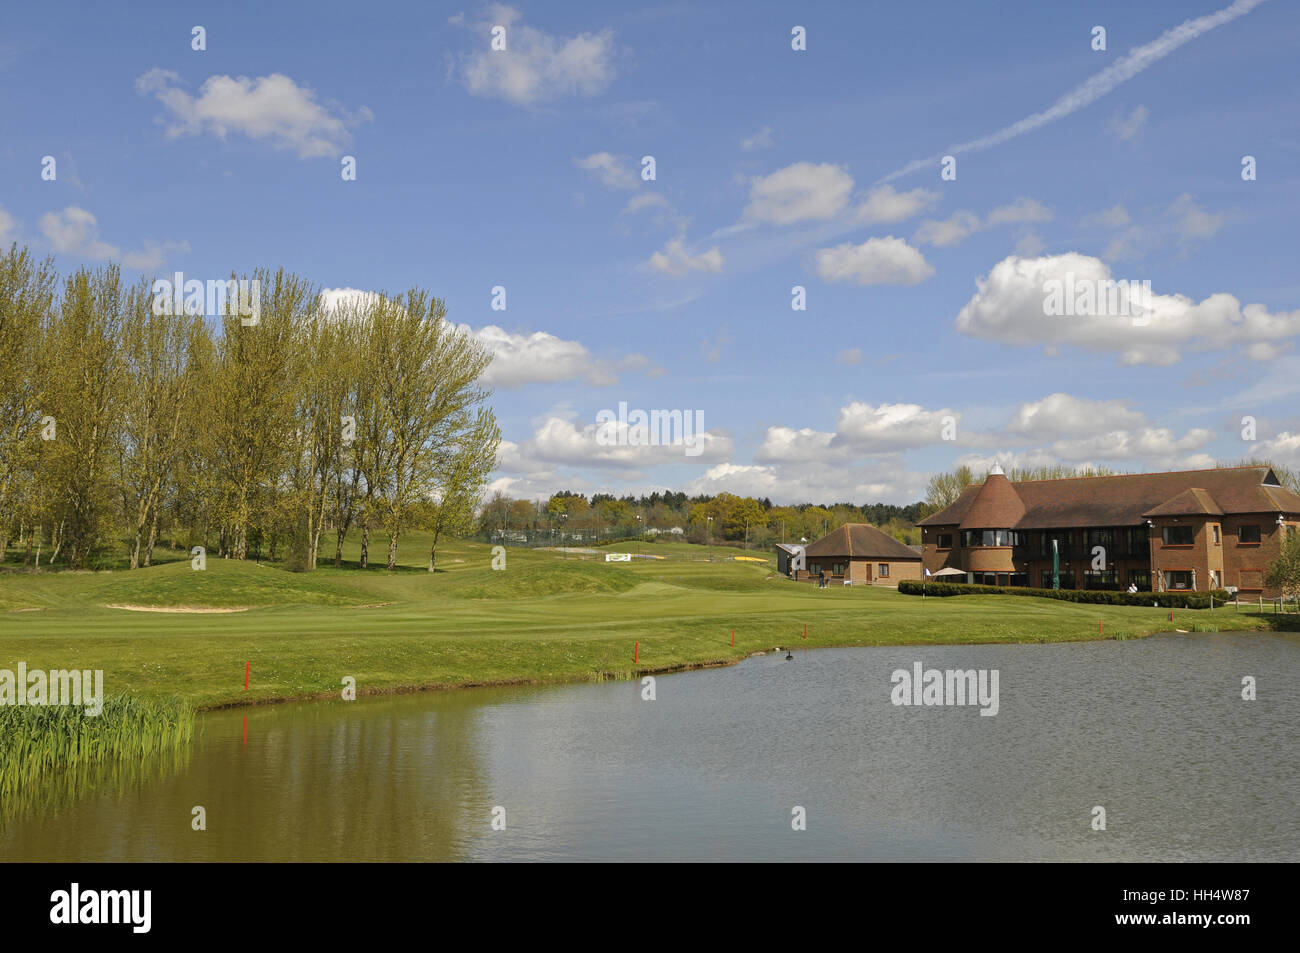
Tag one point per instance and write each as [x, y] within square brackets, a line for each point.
[1139, 542]
[1067, 578]
[1215, 581]
[1216, 534]
[1177, 579]
[1101, 537]
[945, 541]
[815, 569]
[1179, 535]
[884, 570]
[837, 569]
[1140, 578]
[1019, 579]
[1101, 579]
[991, 537]
[1248, 534]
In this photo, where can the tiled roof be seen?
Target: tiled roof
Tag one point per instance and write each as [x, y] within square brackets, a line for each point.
[995, 505]
[860, 539]
[1192, 502]
[1126, 499]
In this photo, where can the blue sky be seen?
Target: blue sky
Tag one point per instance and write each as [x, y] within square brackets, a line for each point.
[774, 168]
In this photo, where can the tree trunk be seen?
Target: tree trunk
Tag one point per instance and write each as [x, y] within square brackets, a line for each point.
[153, 538]
[365, 545]
[392, 551]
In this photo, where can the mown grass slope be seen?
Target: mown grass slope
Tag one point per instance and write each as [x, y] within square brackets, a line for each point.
[545, 617]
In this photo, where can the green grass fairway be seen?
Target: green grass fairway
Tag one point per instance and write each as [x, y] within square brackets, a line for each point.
[545, 618]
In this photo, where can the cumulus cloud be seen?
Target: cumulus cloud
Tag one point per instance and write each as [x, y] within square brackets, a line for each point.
[615, 172]
[541, 358]
[800, 192]
[849, 356]
[860, 429]
[1283, 449]
[75, 231]
[560, 441]
[877, 261]
[1183, 223]
[675, 260]
[884, 206]
[885, 480]
[8, 227]
[536, 66]
[962, 224]
[1009, 307]
[270, 108]
[1061, 414]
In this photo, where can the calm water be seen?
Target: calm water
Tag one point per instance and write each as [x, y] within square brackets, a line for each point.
[1153, 730]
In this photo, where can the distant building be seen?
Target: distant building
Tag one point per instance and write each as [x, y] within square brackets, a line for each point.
[787, 555]
[1185, 530]
[860, 554]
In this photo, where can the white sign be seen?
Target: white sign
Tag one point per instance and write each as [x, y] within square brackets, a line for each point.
[618, 557]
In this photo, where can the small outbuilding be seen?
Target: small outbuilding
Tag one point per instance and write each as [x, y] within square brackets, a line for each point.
[859, 554]
[788, 558]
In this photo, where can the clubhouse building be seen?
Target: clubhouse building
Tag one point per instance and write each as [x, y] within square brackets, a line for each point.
[858, 554]
[1190, 529]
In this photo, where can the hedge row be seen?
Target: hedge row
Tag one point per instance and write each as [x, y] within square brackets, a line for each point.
[1165, 600]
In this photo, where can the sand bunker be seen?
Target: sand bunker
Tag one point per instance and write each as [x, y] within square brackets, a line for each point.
[203, 609]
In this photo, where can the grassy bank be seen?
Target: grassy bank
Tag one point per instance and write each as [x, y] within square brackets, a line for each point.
[545, 618]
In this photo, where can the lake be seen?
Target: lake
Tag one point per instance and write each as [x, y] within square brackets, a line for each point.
[1155, 731]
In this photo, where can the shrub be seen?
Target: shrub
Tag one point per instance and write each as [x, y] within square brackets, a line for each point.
[1165, 600]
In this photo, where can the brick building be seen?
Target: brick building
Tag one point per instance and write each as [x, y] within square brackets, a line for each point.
[1190, 529]
[860, 554]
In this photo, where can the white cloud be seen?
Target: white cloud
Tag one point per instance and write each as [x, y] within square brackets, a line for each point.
[1022, 211]
[538, 358]
[861, 429]
[1060, 414]
[75, 231]
[850, 356]
[962, 224]
[877, 261]
[956, 228]
[884, 206]
[271, 108]
[1191, 221]
[759, 140]
[8, 228]
[1099, 84]
[1009, 303]
[1127, 127]
[536, 66]
[615, 172]
[884, 480]
[646, 200]
[560, 441]
[799, 192]
[675, 260]
[1284, 449]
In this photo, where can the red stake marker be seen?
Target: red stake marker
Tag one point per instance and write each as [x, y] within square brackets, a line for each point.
[636, 649]
[248, 667]
[1099, 627]
[805, 630]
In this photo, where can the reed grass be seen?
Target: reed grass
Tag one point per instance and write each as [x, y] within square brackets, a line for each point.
[52, 754]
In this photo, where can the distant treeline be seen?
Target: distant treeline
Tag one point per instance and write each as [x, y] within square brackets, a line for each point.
[120, 424]
[734, 518]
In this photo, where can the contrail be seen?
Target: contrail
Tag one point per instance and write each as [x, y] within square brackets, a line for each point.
[1095, 86]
